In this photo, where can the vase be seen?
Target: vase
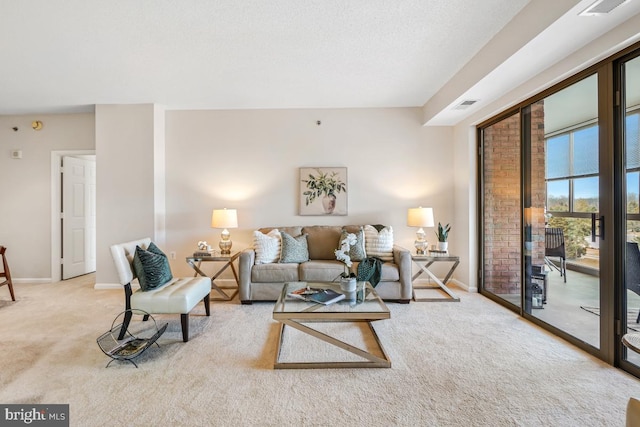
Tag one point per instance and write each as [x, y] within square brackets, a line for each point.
[348, 284]
[443, 246]
[329, 203]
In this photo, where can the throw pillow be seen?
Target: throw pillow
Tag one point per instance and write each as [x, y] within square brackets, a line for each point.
[379, 243]
[294, 249]
[267, 246]
[151, 268]
[155, 250]
[356, 252]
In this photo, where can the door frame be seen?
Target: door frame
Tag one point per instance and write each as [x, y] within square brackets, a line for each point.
[56, 201]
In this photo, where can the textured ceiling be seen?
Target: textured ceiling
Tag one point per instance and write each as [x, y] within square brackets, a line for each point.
[67, 55]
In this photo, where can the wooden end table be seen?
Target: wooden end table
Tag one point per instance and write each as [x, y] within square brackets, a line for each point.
[227, 260]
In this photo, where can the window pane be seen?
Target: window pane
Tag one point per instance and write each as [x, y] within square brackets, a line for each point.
[633, 201]
[585, 151]
[632, 140]
[585, 194]
[558, 196]
[558, 156]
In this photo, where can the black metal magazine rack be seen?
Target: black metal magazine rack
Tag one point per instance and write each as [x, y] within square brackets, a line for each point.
[134, 343]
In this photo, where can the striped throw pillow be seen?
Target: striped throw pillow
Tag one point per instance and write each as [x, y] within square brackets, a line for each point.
[379, 243]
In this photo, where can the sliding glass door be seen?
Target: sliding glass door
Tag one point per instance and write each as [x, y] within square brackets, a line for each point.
[562, 200]
[540, 195]
[560, 208]
[630, 123]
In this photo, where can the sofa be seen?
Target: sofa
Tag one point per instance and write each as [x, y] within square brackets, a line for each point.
[269, 263]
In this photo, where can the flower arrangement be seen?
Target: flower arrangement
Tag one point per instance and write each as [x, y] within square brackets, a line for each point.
[342, 254]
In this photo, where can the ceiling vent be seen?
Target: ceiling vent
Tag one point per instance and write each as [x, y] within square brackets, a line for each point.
[465, 104]
[602, 7]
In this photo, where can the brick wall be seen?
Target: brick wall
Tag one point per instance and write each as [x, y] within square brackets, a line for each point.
[502, 210]
[538, 183]
[503, 214]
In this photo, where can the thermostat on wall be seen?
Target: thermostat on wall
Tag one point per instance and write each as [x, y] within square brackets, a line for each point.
[16, 154]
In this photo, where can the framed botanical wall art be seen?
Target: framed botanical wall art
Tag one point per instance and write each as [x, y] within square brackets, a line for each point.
[323, 191]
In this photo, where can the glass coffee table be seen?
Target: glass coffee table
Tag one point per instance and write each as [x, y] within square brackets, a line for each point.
[363, 305]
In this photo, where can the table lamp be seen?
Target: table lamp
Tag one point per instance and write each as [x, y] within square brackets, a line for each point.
[420, 217]
[224, 218]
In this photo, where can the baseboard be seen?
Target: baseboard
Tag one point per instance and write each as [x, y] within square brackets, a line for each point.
[464, 286]
[452, 282]
[134, 286]
[31, 281]
[107, 286]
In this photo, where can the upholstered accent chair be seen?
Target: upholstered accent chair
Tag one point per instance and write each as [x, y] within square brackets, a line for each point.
[177, 296]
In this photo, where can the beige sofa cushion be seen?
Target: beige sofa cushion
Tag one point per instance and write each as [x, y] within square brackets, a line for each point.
[320, 271]
[293, 231]
[274, 273]
[323, 240]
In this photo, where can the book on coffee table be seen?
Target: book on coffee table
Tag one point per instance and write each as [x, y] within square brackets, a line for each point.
[326, 296]
[304, 293]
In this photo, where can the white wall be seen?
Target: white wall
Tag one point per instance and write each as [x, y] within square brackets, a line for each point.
[249, 160]
[126, 204]
[25, 185]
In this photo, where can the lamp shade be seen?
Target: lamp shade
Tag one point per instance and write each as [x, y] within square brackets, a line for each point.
[224, 218]
[420, 217]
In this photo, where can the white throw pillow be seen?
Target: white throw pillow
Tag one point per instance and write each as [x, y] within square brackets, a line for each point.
[267, 246]
[379, 243]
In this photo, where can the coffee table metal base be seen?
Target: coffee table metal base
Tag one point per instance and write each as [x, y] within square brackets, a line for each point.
[372, 360]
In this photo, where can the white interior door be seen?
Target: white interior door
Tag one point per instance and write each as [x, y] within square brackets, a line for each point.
[78, 217]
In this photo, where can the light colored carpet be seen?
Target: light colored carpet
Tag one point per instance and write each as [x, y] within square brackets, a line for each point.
[470, 363]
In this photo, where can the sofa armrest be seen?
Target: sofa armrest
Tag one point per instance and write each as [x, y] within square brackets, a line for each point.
[402, 258]
[245, 264]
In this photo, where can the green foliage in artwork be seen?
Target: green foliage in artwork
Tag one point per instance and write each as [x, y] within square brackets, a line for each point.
[324, 183]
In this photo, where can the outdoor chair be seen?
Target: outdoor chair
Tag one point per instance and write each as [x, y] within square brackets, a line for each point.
[177, 296]
[632, 269]
[554, 247]
[6, 274]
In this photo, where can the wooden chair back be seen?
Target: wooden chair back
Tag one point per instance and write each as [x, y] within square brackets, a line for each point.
[6, 273]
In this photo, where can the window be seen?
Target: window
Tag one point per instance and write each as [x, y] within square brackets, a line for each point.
[572, 170]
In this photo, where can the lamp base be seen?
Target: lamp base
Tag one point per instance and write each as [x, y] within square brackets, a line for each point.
[225, 247]
[225, 242]
[421, 247]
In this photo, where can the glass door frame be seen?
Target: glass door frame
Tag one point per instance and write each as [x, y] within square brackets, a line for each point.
[619, 119]
[611, 188]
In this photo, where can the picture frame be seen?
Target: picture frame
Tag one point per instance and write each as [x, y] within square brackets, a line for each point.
[323, 191]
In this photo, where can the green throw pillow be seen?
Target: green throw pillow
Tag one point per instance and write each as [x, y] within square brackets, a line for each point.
[294, 249]
[155, 250]
[151, 268]
[356, 252]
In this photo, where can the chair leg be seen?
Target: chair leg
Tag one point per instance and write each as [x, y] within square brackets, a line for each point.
[207, 304]
[13, 297]
[125, 324]
[564, 268]
[184, 319]
[638, 319]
